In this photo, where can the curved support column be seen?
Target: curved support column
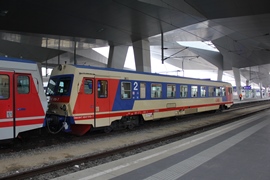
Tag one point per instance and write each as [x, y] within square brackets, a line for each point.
[142, 55]
[220, 73]
[237, 78]
[117, 57]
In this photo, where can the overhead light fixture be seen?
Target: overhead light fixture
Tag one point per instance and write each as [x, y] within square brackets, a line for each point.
[3, 12]
[100, 30]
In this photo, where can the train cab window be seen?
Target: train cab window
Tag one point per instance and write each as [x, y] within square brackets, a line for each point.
[64, 86]
[203, 91]
[88, 86]
[211, 91]
[156, 90]
[51, 86]
[125, 90]
[102, 88]
[183, 91]
[142, 90]
[4, 87]
[23, 84]
[170, 90]
[194, 91]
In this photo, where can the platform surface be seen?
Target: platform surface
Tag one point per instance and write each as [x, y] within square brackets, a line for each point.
[240, 151]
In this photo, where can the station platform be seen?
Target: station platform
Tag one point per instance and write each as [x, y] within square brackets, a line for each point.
[247, 100]
[237, 151]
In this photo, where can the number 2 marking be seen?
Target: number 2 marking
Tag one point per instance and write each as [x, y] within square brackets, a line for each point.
[135, 86]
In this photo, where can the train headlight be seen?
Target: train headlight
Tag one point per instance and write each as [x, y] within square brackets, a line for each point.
[64, 107]
[60, 67]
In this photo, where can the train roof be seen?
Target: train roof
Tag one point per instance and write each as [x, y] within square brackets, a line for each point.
[16, 60]
[136, 72]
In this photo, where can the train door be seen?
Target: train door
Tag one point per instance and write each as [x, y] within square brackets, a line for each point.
[92, 102]
[7, 105]
[102, 102]
[28, 111]
[97, 103]
[85, 102]
[229, 94]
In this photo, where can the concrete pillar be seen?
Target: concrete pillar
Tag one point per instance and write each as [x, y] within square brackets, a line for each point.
[236, 74]
[220, 73]
[72, 56]
[142, 55]
[117, 57]
[261, 89]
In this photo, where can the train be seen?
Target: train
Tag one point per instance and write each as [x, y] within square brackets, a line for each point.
[86, 97]
[22, 98]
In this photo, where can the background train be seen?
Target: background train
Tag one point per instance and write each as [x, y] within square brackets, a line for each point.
[85, 97]
[23, 102]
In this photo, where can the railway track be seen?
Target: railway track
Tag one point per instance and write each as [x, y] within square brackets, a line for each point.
[188, 129]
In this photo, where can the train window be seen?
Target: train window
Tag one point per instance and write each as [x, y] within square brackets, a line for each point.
[4, 87]
[142, 90]
[64, 86]
[88, 86]
[194, 91]
[203, 91]
[156, 90]
[102, 89]
[23, 84]
[125, 90]
[222, 91]
[230, 90]
[218, 91]
[211, 91]
[170, 90]
[51, 86]
[183, 91]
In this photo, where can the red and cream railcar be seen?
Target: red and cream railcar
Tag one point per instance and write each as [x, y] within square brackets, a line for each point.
[22, 99]
[82, 97]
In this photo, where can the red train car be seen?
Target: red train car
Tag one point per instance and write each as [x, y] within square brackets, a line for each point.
[22, 99]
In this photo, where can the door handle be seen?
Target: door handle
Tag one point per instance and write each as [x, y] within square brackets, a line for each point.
[21, 109]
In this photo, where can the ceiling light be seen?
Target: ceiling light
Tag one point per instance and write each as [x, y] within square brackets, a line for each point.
[3, 12]
[100, 30]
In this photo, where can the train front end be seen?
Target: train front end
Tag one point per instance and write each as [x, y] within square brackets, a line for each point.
[59, 116]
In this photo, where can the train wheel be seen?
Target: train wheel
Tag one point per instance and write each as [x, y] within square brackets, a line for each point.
[221, 108]
[108, 129]
[131, 126]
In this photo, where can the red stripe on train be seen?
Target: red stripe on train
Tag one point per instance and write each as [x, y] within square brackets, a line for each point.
[22, 123]
[111, 114]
